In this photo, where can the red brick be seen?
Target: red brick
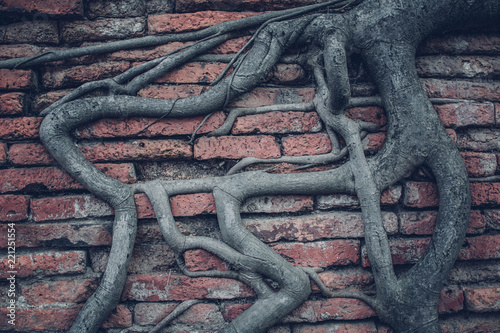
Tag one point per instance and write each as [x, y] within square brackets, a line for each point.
[484, 299]
[201, 260]
[152, 313]
[43, 101]
[485, 193]
[171, 92]
[15, 208]
[50, 7]
[465, 114]
[16, 79]
[307, 144]
[471, 323]
[348, 278]
[138, 127]
[194, 72]
[54, 179]
[12, 103]
[492, 218]
[20, 128]
[168, 23]
[61, 77]
[483, 91]
[120, 317]
[192, 204]
[9, 51]
[162, 287]
[462, 43]
[337, 328]
[480, 248]
[3, 153]
[451, 300]
[421, 195]
[321, 253]
[47, 264]
[373, 142]
[102, 29]
[69, 235]
[235, 147]
[31, 31]
[288, 74]
[278, 204]
[278, 122]
[41, 319]
[67, 207]
[371, 114]
[314, 227]
[403, 251]
[479, 139]
[331, 309]
[480, 164]
[63, 291]
[422, 223]
[136, 150]
[457, 66]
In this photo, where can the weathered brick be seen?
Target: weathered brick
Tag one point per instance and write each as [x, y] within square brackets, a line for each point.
[278, 122]
[59, 291]
[31, 31]
[192, 204]
[457, 66]
[9, 51]
[119, 8]
[371, 114]
[67, 207]
[368, 327]
[138, 127]
[162, 287]
[422, 223]
[468, 273]
[235, 147]
[373, 142]
[492, 218]
[136, 150]
[160, 6]
[3, 153]
[102, 29]
[479, 139]
[484, 299]
[43, 101]
[320, 253]
[287, 74]
[314, 227]
[482, 91]
[169, 23]
[120, 317]
[277, 204]
[485, 194]
[462, 43]
[201, 260]
[466, 114]
[29, 154]
[207, 315]
[42, 319]
[420, 195]
[20, 128]
[15, 208]
[480, 164]
[306, 144]
[16, 79]
[49, 7]
[194, 72]
[480, 248]
[62, 77]
[54, 179]
[470, 323]
[47, 264]
[451, 300]
[68, 235]
[331, 309]
[403, 251]
[12, 103]
[340, 279]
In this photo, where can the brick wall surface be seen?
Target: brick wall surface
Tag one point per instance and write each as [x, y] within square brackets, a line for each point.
[63, 233]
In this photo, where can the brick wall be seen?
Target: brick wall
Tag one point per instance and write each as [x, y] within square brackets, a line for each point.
[63, 233]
